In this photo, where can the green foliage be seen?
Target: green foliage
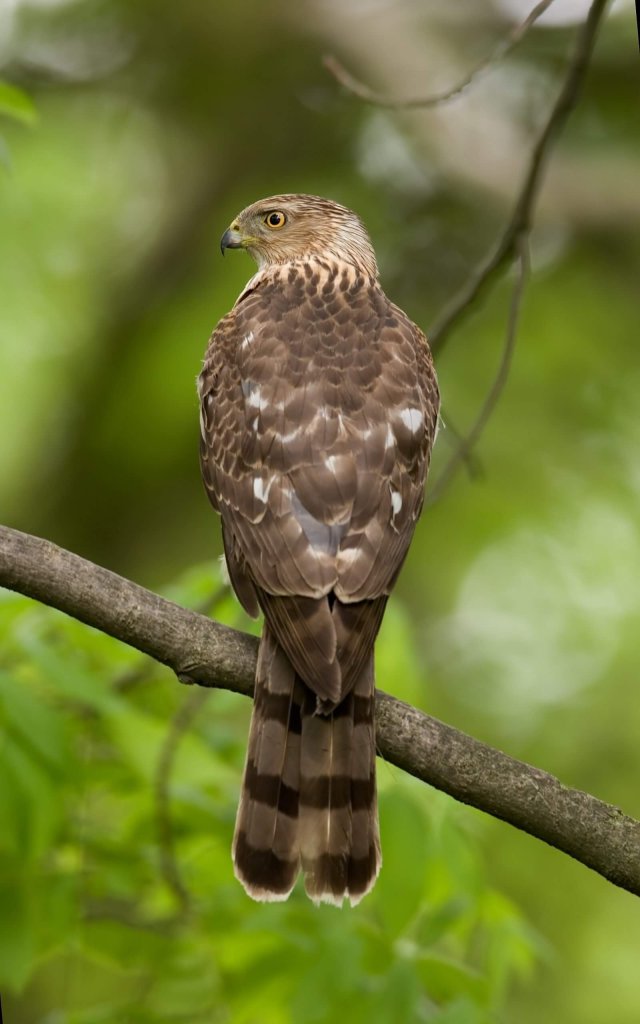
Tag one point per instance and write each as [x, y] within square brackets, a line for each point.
[16, 104]
[518, 603]
[116, 816]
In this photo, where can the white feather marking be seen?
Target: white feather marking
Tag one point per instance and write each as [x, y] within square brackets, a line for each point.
[331, 463]
[440, 424]
[224, 571]
[390, 438]
[256, 892]
[260, 490]
[348, 556]
[412, 419]
[291, 435]
[396, 502]
[331, 898]
[246, 341]
[256, 400]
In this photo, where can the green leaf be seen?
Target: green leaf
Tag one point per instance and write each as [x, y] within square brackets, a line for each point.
[68, 676]
[444, 979]
[188, 989]
[399, 996]
[17, 945]
[400, 888]
[397, 662]
[436, 922]
[141, 737]
[16, 104]
[27, 801]
[463, 1011]
[40, 728]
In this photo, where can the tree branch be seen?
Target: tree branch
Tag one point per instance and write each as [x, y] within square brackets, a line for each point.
[519, 224]
[181, 722]
[464, 451]
[204, 652]
[505, 46]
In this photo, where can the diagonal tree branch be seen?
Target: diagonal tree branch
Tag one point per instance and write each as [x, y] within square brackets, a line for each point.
[204, 652]
[505, 46]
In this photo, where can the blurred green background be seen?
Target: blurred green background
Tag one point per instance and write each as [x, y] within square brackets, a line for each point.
[516, 615]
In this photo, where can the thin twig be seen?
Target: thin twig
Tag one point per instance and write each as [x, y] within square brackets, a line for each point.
[465, 449]
[130, 678]
[504, 47]
[180, 723]
[455, 438]
[519, 224]
[202, 651]
[128, 914]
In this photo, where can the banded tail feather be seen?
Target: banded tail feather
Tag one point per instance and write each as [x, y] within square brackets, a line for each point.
[308, 797]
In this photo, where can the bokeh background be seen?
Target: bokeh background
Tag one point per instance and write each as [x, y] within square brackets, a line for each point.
[516, 617]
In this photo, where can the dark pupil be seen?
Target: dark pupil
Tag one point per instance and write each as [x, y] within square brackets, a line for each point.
[274, 219]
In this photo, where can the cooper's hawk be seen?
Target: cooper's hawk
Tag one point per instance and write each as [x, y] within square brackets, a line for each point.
[319, 404]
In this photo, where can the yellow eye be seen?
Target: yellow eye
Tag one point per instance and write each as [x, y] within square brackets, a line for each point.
[275, 219]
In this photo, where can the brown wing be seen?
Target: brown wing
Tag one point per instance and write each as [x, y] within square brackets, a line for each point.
[319, 408]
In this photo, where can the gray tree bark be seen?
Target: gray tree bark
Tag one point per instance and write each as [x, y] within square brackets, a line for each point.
[205, 653]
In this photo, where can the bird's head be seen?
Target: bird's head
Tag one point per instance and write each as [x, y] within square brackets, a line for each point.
[288, 228]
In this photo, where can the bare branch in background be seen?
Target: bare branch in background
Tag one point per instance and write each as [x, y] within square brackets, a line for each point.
[464, 451]
[513, 240]
[180, 724]
[504, 47]
[519, 224]
[201, 651]
[454, 437]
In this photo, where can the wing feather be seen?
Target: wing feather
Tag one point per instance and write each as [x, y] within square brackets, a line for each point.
[319, 405]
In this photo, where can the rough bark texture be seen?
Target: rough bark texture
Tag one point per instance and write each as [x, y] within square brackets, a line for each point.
[204, 652]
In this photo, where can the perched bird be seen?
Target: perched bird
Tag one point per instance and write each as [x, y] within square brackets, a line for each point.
[319, 405]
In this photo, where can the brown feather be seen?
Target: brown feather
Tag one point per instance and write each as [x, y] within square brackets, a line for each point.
[319, 405]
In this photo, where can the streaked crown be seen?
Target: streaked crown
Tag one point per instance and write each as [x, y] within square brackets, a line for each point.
[288, 228]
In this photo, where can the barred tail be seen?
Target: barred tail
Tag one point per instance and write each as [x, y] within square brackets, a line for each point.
[338, 830]
[266, 852]
[309, 790]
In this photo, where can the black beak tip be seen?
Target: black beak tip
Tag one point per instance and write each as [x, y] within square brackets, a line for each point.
[230, 240]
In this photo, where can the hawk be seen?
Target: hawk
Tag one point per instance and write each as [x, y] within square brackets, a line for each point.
[319, 406]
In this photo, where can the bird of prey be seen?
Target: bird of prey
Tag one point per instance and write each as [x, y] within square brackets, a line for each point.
[319, 406]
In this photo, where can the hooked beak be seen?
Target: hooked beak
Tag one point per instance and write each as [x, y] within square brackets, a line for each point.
[232, 239]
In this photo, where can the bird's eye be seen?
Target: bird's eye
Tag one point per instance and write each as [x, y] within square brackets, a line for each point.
[276, 219]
